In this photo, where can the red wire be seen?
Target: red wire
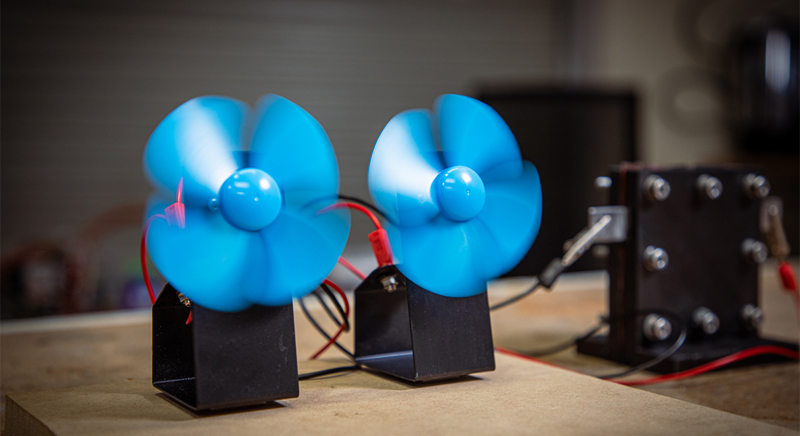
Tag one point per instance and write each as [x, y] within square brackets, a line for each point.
[342, 327]
[179, 197]
[340, 292]
[352, 268]
[789, 281]
[719, 363]
[710, 366]
[143, 256]
[357, 207]
[532, 359]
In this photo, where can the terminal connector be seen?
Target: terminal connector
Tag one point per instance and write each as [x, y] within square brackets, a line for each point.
[607, 224]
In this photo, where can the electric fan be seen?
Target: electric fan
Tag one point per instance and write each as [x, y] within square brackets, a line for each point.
[463, 208]
[241, 239]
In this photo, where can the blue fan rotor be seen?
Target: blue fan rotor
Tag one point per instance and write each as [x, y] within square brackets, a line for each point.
[460, 193]
[250, 199]
[253, 232]
[463, 213]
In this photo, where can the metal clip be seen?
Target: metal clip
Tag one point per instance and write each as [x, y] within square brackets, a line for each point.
[616, 230]
[607, 224]
[771, 223]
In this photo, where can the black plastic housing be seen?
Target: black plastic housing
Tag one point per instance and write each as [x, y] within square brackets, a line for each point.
[223, 360]
[419, 336]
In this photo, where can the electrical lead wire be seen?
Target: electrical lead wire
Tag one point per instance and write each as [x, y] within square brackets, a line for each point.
[322, 331]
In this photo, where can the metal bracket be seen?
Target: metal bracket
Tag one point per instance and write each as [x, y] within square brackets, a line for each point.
[607, 224]
[616, 230]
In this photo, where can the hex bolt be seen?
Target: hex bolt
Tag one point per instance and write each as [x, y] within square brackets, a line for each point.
[657, 328]
[656, 189]
[602, 182]
[755, 186]
[754, 250]
[389, 283]
[655, 259]
[709, 186]
[706, 320]
[752, 316]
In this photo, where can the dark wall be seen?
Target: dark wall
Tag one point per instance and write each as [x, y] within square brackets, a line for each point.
[85, 82]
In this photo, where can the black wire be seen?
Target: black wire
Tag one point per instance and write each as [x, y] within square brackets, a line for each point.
[328, 371]
[322, 331]
[364, 203]
[324, 305]
[655, 361]
[336, 303]
[679, 341]
[566, 345]
[516, 298]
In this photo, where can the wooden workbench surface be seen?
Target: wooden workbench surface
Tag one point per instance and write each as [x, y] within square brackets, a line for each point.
[93, 372]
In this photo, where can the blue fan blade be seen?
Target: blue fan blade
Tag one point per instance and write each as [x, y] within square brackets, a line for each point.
[511, 218]
[205, 260]
[292, 147]
[196, 142]
[472, 134]
[403, 166]
[294, 254]
[442, 256]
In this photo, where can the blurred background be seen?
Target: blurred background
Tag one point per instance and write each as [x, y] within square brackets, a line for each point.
[582, 83]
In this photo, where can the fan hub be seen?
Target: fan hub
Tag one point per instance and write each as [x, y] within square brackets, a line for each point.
[250, 199]
[459, 192]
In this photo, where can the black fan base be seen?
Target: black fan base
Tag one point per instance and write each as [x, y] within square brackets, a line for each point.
[418, 336]
[223, 360]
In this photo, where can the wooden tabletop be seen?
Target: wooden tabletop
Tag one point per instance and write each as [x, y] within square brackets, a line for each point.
[770, 393]
[113, 349]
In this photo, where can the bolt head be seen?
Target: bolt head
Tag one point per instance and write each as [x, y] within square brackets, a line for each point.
[656, 188]
[389, 283]
[602, 182]
[655, 259]
[756, 186]
[707, 320]
[752, 316]
[755, 251]
[709, 186]
[657, 328]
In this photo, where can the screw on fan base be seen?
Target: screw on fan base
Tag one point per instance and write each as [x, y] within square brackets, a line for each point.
[250, 199]
[459, 192]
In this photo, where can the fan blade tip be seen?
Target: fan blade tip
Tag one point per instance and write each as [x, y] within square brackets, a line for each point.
[196, 141]
[268, 101]
[458, 99]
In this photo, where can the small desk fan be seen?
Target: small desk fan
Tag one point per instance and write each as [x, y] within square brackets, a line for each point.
[463, 208]
[241, 239]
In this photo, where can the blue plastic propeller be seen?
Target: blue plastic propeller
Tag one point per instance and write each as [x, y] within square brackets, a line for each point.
[253, 185]
[463, 206]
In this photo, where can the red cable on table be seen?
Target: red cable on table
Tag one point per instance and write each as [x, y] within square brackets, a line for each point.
[719, 363]
[710, 366]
